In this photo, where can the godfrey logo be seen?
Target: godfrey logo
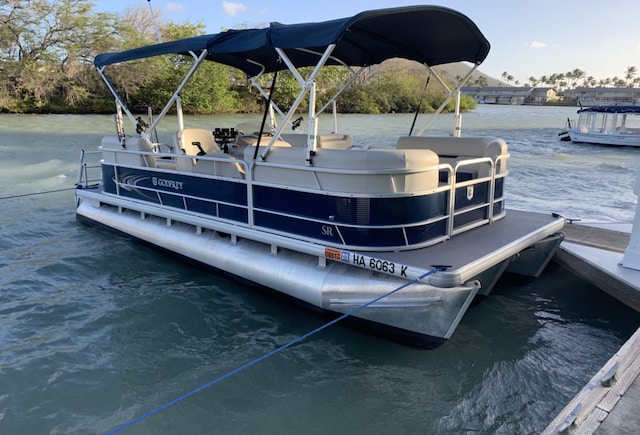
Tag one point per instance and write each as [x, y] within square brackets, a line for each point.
[177, 185]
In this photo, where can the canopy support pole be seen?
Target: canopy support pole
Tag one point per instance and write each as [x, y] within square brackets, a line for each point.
[256, 84]
[175, 98]
[457, 127]
[119, 103]
[446, 100]
[176, 95]
[354, 76]
[306, 87]
[312, 132]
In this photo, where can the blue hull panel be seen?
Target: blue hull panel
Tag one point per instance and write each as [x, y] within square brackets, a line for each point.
[214, 197]
[376, 222]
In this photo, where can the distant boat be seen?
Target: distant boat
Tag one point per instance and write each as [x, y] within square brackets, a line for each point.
[606, 125]
[324, 219]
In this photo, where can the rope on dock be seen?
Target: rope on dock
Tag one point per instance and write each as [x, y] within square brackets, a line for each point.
[273, 352]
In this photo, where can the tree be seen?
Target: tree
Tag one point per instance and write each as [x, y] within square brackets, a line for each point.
[481, 81]
[44, 44]
[605, 82]
[629, 75]
[151, 82]
[574, 76]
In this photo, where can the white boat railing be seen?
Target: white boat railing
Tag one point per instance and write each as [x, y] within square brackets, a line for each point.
[89, 174]
[457, 184]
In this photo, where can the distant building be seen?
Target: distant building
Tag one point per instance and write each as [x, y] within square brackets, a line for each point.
[603, 96]
[542, 96]
[510, 94]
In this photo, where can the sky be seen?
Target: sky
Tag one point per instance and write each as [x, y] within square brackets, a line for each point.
[527, 37]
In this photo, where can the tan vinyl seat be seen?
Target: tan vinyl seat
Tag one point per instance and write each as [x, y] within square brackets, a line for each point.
[189, 137]
[222, 168]
[327, 141]
[455, 149]
[417, 169]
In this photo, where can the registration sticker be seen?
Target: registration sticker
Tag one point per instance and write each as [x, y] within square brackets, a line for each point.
[366, 262]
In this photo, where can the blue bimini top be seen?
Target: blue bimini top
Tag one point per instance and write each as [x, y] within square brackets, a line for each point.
[611, 109]
[431, 35]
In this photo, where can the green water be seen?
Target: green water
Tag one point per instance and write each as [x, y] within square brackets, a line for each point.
[96, 330]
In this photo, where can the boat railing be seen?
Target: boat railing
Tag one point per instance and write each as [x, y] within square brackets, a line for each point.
[460, 181]
[389, 179]
[89, 173]
[467, 177]
[218, 164]
[185, 163]
[569, 123]
[465, 188]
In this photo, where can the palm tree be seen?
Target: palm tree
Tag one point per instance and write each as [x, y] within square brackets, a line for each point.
[574, 76]
[630, 74]
[605, 82]
[482, 81]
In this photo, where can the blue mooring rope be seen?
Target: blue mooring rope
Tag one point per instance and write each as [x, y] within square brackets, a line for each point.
[273, 352]
[37, 193]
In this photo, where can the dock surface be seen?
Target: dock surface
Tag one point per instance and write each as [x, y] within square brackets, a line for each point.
[595, 254]
[605, 237]
[608, 404]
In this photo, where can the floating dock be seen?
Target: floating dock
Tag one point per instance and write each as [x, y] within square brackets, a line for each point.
[607, 255]
[608, 404]
[595, 253]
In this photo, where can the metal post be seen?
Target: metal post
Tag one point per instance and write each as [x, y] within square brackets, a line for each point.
[457, 128]
[313, 125]
[631, 257]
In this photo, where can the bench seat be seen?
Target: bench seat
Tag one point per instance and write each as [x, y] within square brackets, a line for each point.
[453, 150]
[333, 169]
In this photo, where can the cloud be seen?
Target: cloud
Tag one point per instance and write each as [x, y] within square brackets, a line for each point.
[232, 8]
[175, 7]
[538, 44]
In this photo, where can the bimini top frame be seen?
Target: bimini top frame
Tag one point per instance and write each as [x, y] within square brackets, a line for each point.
[431, 35]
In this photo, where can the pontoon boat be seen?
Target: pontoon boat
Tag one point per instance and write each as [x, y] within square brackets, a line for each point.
[320, 217]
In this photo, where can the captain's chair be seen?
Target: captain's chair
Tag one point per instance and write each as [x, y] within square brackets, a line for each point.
[197, 141]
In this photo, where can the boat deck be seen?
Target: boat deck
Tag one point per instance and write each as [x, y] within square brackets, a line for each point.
[488, 244]
[465, 256]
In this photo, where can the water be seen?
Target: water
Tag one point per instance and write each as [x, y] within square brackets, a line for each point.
[96, 330]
